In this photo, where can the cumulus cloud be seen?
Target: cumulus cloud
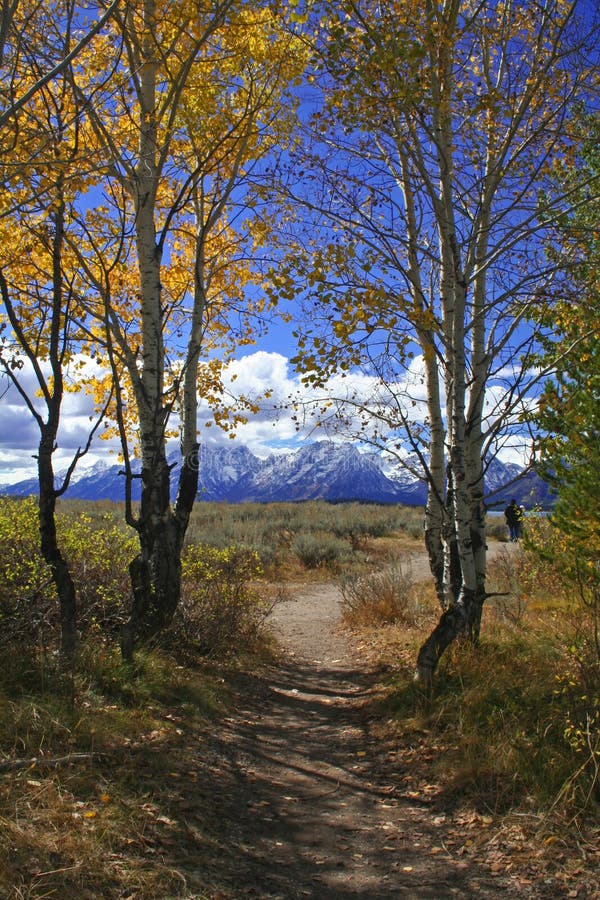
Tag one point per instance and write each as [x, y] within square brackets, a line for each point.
[296, 411]
[291, 413]
[20, 435]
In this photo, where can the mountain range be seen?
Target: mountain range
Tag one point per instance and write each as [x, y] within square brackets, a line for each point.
[322, 470]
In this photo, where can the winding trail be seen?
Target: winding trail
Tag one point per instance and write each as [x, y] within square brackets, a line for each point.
[310, 813]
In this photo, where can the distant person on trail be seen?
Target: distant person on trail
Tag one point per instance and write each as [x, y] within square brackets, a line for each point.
[514, 519]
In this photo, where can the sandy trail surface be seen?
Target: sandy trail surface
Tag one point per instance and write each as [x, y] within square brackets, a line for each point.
[307, 808]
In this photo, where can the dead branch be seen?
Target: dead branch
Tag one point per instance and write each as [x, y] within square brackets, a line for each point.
[48, 762]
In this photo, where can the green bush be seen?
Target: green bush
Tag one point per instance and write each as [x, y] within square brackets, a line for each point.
[354, 530]
[27, 594]
[221, 610]
[98, 551]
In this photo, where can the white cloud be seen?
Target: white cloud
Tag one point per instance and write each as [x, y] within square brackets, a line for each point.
[20, 434]
[273, 427]
[296, 411]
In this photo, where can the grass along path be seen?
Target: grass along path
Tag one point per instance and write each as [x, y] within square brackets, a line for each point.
[308, 810]
[297, 791]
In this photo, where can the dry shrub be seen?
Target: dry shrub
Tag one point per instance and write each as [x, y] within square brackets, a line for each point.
[320, 549]
[28, 605]
[384, 597]
[495, 528]
[504, 583]
[317, 533]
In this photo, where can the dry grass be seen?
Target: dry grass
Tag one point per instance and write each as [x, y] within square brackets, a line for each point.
[111, 823]
[296, 540]
[511, 732]
[386, 596]
[510, 736]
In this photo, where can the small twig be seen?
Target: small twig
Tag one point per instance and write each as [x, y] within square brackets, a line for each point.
[38, 762]
[327, 793]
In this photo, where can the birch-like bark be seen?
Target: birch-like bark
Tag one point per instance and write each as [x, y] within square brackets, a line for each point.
[188, 484]
[459, 568]
[434, 507]
[475, 411]
[156, 571]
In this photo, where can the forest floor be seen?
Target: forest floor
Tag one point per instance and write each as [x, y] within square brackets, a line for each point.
[312, 802]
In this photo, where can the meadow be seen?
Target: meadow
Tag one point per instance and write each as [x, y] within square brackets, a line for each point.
[90, 760]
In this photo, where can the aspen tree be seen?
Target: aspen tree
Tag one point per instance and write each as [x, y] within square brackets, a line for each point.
[44, 167]
[419, 248]
[197, 101]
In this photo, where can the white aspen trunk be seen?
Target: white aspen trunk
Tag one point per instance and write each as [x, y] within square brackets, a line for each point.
[148, 254]
[458, 458]
[475, 412]
[454, 305]
[459, 568]
[188, 481]
[475, 478]
[156, 571]
[434, 508]
[189, 403]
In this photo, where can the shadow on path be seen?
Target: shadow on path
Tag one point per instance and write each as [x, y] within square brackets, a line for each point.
[304, 811]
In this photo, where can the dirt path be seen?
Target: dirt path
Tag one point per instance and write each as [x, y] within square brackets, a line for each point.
[309, 812]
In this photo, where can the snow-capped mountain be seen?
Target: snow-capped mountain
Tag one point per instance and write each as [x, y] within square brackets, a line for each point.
[225, 471]
[323, 470]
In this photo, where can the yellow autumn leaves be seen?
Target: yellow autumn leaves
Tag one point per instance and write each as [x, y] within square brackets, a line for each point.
[193, 94]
